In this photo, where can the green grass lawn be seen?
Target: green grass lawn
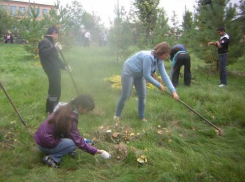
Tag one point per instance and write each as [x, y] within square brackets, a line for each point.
[178, 145]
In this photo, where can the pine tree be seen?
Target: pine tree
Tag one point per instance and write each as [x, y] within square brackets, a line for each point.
[6, 21]
[31, 30]
[241, 18]
[147, 13]
[187, 26]
[187, 23]
[161, 32]
[175, 30]
[120, 34]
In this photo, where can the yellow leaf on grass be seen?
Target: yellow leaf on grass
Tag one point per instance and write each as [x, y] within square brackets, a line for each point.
[115, 135]
[160, 132]
[142, 159]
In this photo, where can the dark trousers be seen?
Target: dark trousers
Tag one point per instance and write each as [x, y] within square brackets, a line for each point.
[222, 67]
[182, 60]
[86, 43]
[54, 90]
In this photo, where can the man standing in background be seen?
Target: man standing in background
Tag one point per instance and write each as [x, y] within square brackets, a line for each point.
[222, 45]
[87, 39]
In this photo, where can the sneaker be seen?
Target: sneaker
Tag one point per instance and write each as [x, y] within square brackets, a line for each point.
[116, 118]
[221, 85]
[144, 120]
[73, 153]
[50, 162]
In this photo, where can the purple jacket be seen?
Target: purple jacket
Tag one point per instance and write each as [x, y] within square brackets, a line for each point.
[47, 137]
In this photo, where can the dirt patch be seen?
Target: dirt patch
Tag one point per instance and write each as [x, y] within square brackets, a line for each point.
[8, 139]
[116, 133]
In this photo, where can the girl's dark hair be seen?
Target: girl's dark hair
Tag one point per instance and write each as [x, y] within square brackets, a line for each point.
[62, 116]
[161, 49]
[52, 30]
[222, 29]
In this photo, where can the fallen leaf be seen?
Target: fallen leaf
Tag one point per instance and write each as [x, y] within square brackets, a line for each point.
[94, 139]
[115, 135]
[217, 132]
[141, 161]
[160, 132]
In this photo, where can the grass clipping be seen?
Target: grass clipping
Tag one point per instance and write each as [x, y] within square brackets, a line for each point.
[116, 82]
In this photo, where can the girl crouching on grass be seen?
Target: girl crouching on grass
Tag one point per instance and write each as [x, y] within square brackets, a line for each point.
[58, 135]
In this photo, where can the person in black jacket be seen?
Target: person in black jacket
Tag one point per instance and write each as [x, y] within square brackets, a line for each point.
[51, 63]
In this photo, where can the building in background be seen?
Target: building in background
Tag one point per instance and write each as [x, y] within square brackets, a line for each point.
[22, 9]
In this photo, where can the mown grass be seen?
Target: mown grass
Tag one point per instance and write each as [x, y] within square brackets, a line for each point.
[178, 145]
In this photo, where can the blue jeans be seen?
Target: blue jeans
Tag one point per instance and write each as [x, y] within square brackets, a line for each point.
[127, 84]
[222, 67]
[65, 146]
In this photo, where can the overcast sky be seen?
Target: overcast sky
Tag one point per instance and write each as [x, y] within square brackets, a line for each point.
[104, 8]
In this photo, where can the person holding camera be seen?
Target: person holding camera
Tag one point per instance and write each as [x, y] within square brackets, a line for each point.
[52, 64]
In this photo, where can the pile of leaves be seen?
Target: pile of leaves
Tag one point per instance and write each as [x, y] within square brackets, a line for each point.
[115, 80]
[116, 133]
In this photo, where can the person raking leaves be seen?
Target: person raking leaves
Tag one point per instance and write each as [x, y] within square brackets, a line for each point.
[140, 68]
[52, 64]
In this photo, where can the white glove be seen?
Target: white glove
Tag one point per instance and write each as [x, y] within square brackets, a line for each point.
[58, 46]
[105, 155]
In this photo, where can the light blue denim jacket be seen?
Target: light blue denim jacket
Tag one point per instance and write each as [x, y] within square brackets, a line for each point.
[145, 64]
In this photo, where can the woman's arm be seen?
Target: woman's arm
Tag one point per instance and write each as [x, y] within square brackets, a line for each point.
[74, 134]
[166, 78]
[147, 72]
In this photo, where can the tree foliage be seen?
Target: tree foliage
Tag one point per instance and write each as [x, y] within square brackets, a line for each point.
[241, 18]
[187, 23]
[209, 16]
[147, 13]
[120, 34]
[30, 29]
[188, 29]
[69, 20]
[6, 22]
[162, 29]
